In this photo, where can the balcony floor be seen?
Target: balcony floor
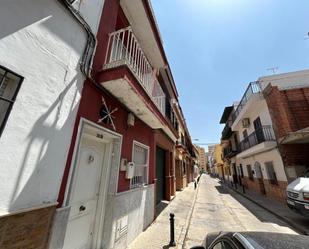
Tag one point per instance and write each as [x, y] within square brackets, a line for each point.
[127, 95]
[259, 148]
[122, 84]
[297, 137]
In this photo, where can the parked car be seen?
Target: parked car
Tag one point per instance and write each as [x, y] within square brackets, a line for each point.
[298, 194]
[254, 240]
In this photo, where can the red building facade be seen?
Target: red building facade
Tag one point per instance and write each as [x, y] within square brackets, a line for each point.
[126, 129]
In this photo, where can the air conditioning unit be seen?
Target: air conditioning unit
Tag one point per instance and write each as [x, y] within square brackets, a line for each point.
[245, 122]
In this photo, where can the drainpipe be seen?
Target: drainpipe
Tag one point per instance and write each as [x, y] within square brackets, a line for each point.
[88, 54]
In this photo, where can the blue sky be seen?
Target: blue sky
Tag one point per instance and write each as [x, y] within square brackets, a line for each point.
[216, 47]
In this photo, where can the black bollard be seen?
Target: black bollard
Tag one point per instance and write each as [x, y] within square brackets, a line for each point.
[172, 232]
[243, 189]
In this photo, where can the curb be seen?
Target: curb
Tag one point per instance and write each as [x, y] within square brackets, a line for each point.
[184, 232]
[299, 229]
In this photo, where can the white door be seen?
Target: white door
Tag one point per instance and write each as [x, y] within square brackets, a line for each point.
[84, 195]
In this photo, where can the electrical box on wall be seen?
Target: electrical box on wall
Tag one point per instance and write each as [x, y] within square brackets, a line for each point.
[130, 170]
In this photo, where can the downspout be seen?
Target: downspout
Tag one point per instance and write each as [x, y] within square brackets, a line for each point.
[88, 54]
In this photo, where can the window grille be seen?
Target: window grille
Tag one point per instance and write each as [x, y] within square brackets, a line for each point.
[9, 87]
[141, 162]
[250, 173]
[271, 173]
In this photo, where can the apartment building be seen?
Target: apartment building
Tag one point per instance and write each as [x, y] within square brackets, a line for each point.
[287, 96]
[211, 159]
[202, 158]
[43, 65]
[121, 162]
[259, 161]
[229, 143]
[253, 148]
[183, 152]
[218, 161]
[88, 123]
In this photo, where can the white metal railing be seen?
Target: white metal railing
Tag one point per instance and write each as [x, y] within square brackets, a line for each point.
[253, 88]
[124, 49]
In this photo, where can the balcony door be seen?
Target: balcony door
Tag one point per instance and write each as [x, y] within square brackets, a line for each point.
[258, 130]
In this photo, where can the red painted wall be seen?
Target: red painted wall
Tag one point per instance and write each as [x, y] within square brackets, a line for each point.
[89, 108]
[112, 19]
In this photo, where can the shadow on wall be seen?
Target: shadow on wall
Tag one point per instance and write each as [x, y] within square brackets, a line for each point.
[17, 15]
[43, 150]
[40, 30]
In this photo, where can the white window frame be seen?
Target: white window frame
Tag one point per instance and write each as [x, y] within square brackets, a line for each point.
[147, 163]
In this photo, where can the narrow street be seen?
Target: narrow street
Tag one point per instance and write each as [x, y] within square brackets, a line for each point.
[220, 209]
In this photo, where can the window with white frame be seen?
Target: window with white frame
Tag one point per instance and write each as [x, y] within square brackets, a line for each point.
[140, 157]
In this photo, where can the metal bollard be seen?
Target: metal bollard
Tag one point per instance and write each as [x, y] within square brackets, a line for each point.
[243, 189]
[172, 230]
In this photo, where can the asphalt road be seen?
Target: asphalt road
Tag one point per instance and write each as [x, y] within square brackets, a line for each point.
[219, 209]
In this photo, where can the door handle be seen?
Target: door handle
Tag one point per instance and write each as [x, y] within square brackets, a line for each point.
[82, 208]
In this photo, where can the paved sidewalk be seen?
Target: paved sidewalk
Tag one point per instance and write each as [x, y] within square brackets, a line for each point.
[299, 222]
[157, 235]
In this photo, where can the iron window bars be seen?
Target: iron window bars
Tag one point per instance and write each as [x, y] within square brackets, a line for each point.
[10, 83]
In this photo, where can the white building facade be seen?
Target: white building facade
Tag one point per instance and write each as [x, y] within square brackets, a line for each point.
[42, 47]
[258, 160]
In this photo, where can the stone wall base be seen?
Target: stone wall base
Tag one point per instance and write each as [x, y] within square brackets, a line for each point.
[27, 230]
[273, 191]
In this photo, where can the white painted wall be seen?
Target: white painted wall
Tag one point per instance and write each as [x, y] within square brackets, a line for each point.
[286, 80]
[262, 158]
[41, 41]
[135, 209]
[254, 109]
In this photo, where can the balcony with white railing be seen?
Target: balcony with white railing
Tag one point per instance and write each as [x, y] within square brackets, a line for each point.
[249, 103]
[125, 50]
[252, 89]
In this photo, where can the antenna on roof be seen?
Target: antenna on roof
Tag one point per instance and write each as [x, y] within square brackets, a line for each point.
[273, 69]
